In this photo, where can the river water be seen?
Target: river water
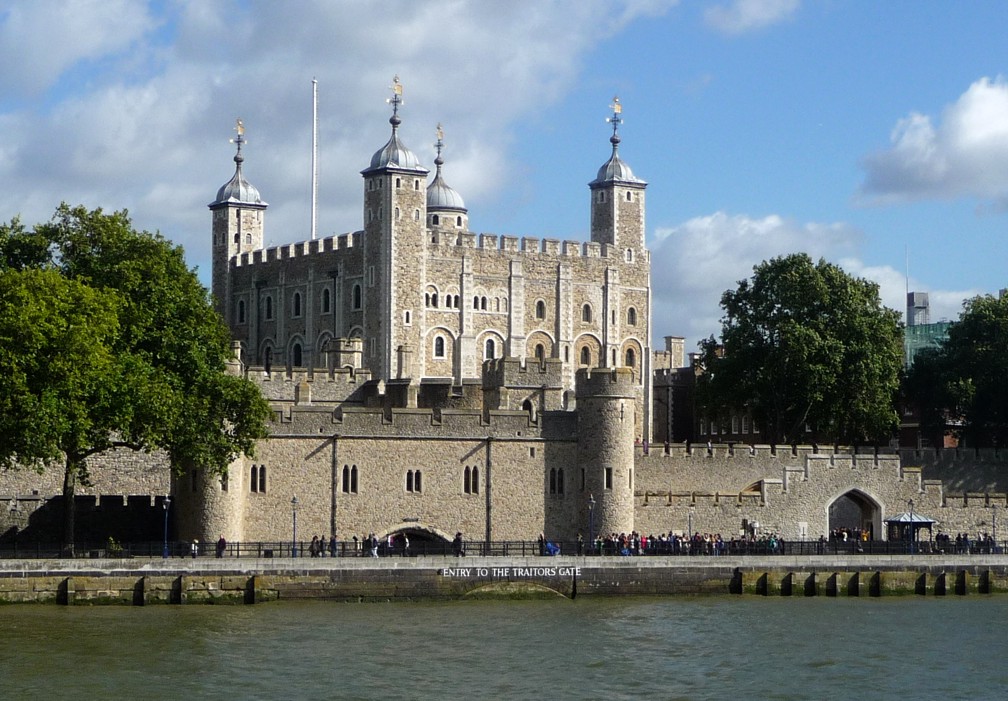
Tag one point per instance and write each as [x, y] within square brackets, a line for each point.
[613, 648]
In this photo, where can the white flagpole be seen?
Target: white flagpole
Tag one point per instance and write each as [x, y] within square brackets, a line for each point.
[314, 158]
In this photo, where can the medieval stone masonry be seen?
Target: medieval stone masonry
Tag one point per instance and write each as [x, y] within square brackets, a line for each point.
[427, 379]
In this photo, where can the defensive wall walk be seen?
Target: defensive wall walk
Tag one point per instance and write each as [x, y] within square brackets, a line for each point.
[208, 580]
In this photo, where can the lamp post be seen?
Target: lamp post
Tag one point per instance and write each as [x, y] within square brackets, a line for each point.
[591, 521]
[294, 505]
[910, 504]
[994, 546]
[166, 503]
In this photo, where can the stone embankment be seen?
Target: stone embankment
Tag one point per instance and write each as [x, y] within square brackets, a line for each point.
[248, 581]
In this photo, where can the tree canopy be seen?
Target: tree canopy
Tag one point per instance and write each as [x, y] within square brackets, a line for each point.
[805, 344]
[108, 339]
[962, 385]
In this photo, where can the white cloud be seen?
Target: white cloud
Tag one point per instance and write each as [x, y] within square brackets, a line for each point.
[743, 16]
[41, 40]
[693, 263]
[965, 155]
[152, 137]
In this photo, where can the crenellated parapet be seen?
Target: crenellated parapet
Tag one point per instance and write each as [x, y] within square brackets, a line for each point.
[290, 251]
[606, 382]
[523, 372]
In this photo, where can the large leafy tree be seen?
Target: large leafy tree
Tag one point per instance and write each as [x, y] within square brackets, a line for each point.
[805, 343]
[963, 384]
[109, 340]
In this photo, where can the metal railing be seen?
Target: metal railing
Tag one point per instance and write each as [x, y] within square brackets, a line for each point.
[511, 548]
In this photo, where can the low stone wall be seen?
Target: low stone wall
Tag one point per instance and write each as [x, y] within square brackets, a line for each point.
[212, 581]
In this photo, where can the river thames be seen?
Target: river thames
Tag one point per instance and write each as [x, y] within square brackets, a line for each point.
[601, 648]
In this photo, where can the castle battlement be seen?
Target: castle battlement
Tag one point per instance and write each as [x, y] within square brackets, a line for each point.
[606, 382]
[299, 249]
[523, 372]
[455, 424]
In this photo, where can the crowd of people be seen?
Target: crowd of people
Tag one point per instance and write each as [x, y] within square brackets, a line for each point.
[673, 543]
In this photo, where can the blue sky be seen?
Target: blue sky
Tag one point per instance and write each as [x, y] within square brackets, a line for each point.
[871, 134]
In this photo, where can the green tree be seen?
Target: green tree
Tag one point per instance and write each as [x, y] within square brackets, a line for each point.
[805, 344]
[145, 368]
[963, 384]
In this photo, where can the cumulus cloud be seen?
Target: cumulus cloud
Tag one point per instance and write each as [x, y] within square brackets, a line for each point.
[743, 16]
[151, 135]
[693, 263]
[41, 40]
[964, 155]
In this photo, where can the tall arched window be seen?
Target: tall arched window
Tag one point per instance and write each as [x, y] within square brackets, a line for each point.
[326, 300]
[439, 347]
[490, 348]
[269, 307]
[466, 480]
[560, 481]
[631, 317]
[241, 311]
[540, 351]
[586, 313]
[540, 312]
[262, 479]
[353, 479]
[631, 358]
[585, 356]
[475, 480]
[297, 304]
[254, 479]
[357, 297]
[296, 359]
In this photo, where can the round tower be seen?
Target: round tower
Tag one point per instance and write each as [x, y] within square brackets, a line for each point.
[445, 207]
[605, 411]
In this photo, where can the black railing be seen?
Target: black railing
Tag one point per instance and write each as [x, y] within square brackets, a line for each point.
[512, 548]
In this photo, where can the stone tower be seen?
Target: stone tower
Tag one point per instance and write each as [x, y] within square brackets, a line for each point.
[617, 211]
[391, 282]
[238, 221]
[605, 419]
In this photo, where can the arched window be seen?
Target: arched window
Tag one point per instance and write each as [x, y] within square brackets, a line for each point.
[439, 348]
[254, 479]
[326, 300]
[416, 215]
[553, 481]
[296, 359]
[346, 479]
[475, 480]
[297, 304]
[586, 313]
[458, 221]
[629, 196]
[248, 238]
[560, 481]
[433, 299]
[409, 480]
[585, 356]
[629, 255]
[357, 297]
[241, 311]
[631, 317]
[483, 303]
[466, 481]
[475, 302]
[540, 309]
[269, 307]
[353, 479]
[398, 183]
[490, 348]
[262, 479]
[540, 352]
[631, 358]
[436, 220]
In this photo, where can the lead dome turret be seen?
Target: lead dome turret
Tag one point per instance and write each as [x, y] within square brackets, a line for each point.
[445, 206]
[238, 190]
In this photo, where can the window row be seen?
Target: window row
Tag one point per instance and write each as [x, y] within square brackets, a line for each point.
[556, 481]
[414, 482]
[377, 184]
[297, 305]
[348, 483]
[470, 480]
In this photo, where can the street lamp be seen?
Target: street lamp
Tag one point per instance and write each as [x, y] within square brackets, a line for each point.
[294, 505]
[166, 503]
[994, 547]
[591, 521]
[910, 504]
